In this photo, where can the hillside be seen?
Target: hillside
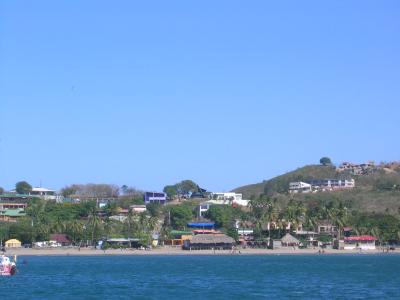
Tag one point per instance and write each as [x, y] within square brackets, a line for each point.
[376, 192]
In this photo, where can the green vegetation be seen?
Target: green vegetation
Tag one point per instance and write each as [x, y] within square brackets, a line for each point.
[23, 187]
[181, 188]
[325, 161]
[378, 192]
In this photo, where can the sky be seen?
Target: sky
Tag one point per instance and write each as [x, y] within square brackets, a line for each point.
[226, 93]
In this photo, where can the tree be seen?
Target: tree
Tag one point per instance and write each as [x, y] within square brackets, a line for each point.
[22, 187]
[180, 216]
[184, 187]
[263, 211]
[325, 161]
[1, 190]
[170, 190]
[94, 223]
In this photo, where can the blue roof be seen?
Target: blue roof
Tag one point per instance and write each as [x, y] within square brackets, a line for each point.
[201, 224]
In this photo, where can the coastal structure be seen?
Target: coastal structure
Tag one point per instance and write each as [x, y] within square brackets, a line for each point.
[289, 241]
[209, 242]
[13, 243]
[361, 242]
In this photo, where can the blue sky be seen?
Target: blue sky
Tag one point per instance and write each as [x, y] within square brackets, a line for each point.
[226, 93]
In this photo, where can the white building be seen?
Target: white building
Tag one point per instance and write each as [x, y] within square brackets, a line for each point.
[45, 194]
[333, 184]
[138, 208]
[228, 199]
[362, 242]
[300, 187]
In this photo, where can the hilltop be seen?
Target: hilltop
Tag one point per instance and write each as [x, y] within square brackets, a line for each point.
[376, 191]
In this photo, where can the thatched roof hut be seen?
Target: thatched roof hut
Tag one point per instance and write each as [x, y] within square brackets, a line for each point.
[211, 241]
[289, 240]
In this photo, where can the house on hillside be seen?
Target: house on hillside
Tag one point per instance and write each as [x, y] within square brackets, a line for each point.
[229, 198]
[299, 187]
[332, 184]
[45, 194]
[155, 197]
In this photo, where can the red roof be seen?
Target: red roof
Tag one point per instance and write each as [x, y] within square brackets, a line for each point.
[60, 238]
[360, 238]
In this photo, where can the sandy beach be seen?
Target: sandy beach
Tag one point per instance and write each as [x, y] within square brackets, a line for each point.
[178, 251]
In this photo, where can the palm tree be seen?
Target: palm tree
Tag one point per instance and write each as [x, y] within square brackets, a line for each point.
[263, 212]
[94, 223]
[338, 216]
[76, 229]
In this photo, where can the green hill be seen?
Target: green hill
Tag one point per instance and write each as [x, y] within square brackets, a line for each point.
[376, 192]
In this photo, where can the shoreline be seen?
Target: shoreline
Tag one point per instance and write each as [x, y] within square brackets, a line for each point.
[170, 251]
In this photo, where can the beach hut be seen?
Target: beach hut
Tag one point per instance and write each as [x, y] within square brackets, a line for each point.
[13, 243]
[210, 241]
[361, 242]
[289, 241]
[61, 239]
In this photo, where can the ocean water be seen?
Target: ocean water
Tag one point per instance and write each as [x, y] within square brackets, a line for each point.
[206, 277]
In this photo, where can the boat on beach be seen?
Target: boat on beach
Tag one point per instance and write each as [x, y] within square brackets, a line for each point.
[7, 267]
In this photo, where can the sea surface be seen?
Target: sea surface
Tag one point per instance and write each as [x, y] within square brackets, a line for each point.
[206, 277]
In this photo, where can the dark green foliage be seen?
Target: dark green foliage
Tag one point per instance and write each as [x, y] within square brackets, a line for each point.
[1, 190]
[325, 161]
[22, 187]
[180, 215]
[184, 187]
[383, 226]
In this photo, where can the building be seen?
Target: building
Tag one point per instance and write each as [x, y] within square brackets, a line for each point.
[289, 241]
[325, 227]
[299, 187]
[155, 197]
[202, 209]
[12, 208]
[209, 242]
[138, 208]
[245, 235]
[332, 184]
[178, 237]
[13, 243]
[228, 199]
[61, 239]
[361, 242]
[201, 225]
[45, 194]
[357, 169]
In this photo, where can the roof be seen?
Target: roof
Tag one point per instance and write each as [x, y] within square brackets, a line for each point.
[40, 189]
[13, 241]
[180, 232]
[212, 239]
[360, 238]
[60, 238]
[212, 224]
[289, 239]
[121, 240]
[13, 213]
[205, 231]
